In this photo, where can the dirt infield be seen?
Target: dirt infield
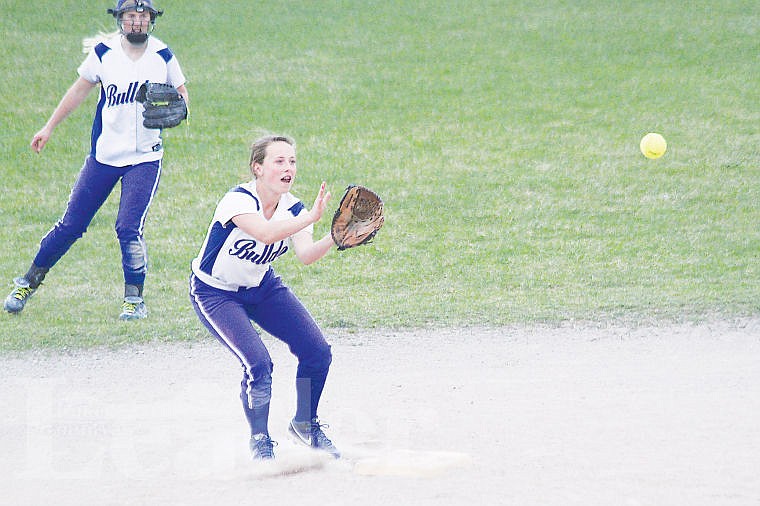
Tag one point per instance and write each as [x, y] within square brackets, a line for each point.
[577, 414]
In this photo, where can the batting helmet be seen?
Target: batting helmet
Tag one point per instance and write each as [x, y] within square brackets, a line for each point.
[135, 5]
[123, 6]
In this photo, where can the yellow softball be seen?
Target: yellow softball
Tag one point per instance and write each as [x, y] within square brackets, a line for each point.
[653, 145]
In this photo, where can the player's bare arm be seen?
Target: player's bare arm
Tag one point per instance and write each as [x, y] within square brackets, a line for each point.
[182, 90]
[269, 232]
[70, 101]
[306, 249]
[309, 251]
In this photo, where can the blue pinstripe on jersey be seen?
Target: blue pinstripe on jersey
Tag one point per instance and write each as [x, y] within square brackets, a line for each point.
[296, 208]
[216, 237]
[166, 54]
[100, 50]
[97, 123]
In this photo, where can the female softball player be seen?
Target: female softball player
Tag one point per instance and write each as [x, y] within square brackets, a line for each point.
[233, 283]
[121, 149]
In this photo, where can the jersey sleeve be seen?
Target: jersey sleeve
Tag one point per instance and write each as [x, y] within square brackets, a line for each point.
[234, 204]
[174, 74]
[90, 69]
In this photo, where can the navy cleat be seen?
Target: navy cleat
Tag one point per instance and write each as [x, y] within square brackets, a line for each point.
[133, 308]
[310, 433]
[262, 447]
[16, 300]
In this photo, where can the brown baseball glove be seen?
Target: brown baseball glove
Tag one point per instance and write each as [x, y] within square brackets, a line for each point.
[358, 217]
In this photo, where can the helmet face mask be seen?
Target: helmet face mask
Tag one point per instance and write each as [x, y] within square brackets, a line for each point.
[123, 6]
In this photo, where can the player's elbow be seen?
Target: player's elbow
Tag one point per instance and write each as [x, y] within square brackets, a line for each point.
[268, 237]
[306, 258]
[308, 254]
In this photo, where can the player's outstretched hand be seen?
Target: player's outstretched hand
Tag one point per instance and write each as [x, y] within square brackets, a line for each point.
[320, 203]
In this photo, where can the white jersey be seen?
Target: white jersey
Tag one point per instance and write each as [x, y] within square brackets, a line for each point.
[118, 135]
[231, 259]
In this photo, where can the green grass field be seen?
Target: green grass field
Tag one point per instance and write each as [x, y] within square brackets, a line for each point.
[503, 137]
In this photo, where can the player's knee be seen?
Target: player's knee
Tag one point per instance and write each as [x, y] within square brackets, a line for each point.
[128, 237]
[134, 255]
[256, 387]
[319, 359]
[260, 371]
[259, 394]
[327, 356]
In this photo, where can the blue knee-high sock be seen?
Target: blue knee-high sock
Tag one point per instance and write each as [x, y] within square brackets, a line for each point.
[308, 393]
[258, 418]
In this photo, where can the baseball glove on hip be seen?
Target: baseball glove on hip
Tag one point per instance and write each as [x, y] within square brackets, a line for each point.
[358, 217]
[164, 106]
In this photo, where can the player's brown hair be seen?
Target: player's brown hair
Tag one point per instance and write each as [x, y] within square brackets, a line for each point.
[259, 147]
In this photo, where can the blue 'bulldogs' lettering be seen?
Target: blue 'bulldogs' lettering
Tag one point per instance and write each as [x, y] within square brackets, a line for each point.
[245, 249]
[115, 98]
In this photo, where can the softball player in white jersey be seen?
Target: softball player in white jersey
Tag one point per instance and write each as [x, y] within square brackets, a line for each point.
[121, 149]
[233, 283]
